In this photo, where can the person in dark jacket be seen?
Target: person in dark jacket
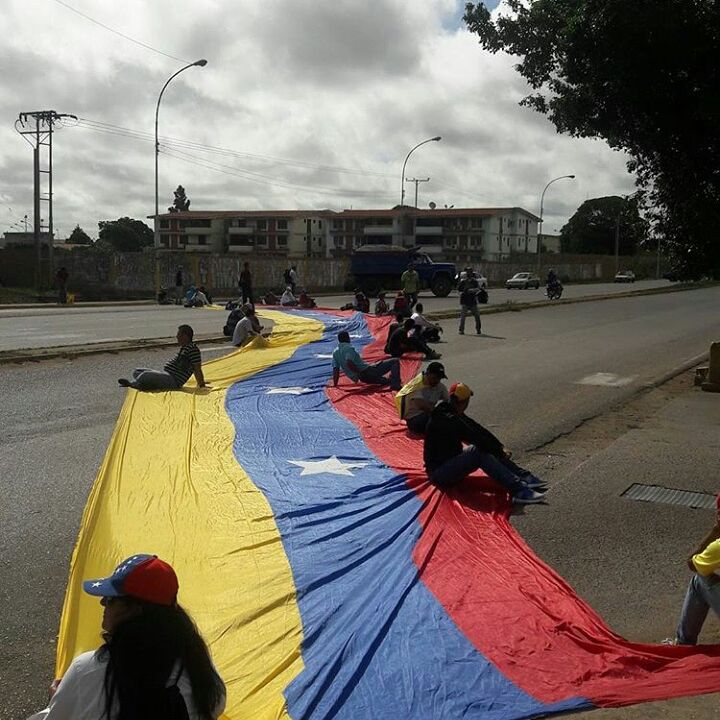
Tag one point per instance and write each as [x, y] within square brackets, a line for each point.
[400, 342]
[469, 304]
[448, 464]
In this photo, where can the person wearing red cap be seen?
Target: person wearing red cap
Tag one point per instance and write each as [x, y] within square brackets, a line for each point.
[448, 464]
[703, 590]
[153, 664]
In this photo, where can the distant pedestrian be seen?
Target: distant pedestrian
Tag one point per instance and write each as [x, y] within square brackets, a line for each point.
[448, 464]
[294, 278]
[61, 278]
[703, 592]
[410, 281]
[288, 299]
[469, 304]
[176, 372]
[346, 358]
[246, 285]
[400, 342]
[153, 662]
[179, 286]
[429, 332]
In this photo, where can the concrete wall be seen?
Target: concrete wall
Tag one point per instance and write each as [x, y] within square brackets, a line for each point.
[97, 275]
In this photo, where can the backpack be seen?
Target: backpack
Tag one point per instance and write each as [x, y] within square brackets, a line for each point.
[405, 392]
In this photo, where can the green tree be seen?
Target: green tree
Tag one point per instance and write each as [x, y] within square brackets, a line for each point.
[124, 234]
[79, 237]
[643, 76]
[592, 228]
[180, 202]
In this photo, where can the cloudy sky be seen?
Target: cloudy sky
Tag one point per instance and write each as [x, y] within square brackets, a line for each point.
[303, 103]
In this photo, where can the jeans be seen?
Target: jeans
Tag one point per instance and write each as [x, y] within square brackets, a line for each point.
[145, 379]
[474, 310]
[418, 423]
[453, 471]
[375, 374]
[702, 594]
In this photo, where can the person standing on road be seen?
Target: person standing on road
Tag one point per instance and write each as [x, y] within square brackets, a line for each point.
[61, 277]
[153, 662]
[469, 304]
[245, 283]
[703, 592]
[346, 358]
[417, 398]
[179, 286]
[176, 372]
[448, 464]
[410, 281]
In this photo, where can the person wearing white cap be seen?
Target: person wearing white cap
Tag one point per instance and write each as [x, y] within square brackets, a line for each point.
[153, 663]
[448, 464]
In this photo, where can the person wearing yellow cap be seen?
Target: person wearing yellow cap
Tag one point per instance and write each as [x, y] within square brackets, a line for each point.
[447, 463]
[153, 663]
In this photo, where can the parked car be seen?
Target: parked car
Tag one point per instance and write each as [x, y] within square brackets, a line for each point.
[626, 276]
[523, 280]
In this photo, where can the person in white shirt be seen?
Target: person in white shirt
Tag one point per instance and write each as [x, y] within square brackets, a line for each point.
[153, 663]
[288, 298]
[429, 332]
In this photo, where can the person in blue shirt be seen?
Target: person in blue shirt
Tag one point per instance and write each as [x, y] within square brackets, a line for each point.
[346, 358]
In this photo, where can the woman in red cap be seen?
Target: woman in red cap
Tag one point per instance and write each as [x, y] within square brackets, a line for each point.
[153, 665]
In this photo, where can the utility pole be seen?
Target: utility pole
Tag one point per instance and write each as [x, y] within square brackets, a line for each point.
[39, 137]
[617, 244]
[417, 181]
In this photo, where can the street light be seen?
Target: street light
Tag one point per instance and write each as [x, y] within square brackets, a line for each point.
[542, 201]
[402, 177]
[197, 63]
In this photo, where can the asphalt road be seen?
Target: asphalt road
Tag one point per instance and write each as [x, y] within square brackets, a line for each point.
[75, 325]
[525, 369]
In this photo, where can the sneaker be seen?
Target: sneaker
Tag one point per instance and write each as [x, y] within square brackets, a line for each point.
[532, 482]
[527, 496]
[123, 382]
[670, 641]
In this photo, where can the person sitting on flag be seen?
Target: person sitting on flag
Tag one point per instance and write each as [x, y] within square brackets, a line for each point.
[153, 661]
[346, 358]
[703, 592]
[429, 332]
[448, 464]
[176, 372]
[417, 398]
[400, 341]
[381, 306]
[247, 328]
[288, 299]
[401, 307]
[305, 301]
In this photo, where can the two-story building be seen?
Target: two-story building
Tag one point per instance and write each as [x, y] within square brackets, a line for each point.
[458, 234]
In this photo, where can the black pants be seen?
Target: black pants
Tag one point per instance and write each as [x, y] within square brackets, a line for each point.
[247, 295]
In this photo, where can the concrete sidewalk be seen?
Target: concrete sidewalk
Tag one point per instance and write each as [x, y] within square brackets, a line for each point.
[627, 558]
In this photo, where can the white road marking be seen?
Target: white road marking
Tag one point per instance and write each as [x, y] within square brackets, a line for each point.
[606, 380]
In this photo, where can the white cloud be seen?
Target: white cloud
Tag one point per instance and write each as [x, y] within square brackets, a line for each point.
[325, 82]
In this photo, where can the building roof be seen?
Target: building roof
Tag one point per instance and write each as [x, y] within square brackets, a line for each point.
[354, 214]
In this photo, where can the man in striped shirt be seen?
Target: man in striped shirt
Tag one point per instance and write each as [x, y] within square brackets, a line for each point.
[176, 372]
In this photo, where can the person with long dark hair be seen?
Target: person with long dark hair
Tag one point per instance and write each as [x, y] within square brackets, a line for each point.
[153, 664]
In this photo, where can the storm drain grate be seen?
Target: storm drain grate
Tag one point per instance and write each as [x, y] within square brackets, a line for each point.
[668, 496]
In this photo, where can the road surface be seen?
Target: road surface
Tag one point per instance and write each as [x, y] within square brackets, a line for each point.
[535, 375]
[71, 325]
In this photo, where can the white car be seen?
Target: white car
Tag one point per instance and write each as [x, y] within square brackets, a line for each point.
[523, 280]
[625, 276]
[479, 278]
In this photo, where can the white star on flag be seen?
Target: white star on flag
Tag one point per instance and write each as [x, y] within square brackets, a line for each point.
[356, 335]
[96, 584]
[331, 466]
[288, 391]
[322, 356]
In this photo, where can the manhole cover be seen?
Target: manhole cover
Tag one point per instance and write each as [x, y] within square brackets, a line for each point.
[669, 496]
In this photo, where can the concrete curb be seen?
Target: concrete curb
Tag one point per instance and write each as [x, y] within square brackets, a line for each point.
[678, 370]
[115, 346]
[512, 306]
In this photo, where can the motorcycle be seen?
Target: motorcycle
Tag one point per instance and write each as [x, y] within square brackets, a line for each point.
[554, 291]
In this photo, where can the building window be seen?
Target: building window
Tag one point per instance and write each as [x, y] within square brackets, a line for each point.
[261, 225]
[261, 240]
[282, 224]
[319, 224]
[282, 240]
[202, 240]
[238, 223]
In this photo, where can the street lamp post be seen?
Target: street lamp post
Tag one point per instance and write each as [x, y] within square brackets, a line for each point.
[402, 177]
[197, 63]
[542, 207]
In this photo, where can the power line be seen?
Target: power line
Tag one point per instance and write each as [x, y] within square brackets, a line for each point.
[117, 32]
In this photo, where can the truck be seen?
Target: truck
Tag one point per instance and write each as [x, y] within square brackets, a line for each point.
[378, 267]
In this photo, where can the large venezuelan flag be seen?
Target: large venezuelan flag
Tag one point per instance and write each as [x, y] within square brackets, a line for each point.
[328, 577]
